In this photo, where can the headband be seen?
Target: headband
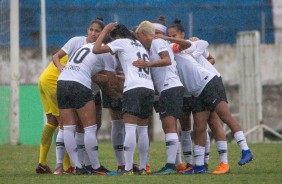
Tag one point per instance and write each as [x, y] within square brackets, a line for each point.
[160, 27]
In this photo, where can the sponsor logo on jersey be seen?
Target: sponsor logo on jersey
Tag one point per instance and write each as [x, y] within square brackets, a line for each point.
[73, 67]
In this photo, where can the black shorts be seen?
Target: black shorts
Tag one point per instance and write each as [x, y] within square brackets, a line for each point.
[188, 104]
[73, 95]
[171, 102]
[97, 99]
[138, 102]
[108, 102]
[213, 94]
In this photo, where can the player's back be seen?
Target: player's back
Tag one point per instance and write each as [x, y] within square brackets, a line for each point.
[193, 76]
[82, 66]
[129, 51]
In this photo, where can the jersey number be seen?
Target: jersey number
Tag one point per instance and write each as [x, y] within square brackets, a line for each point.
[80, 55]
[145, 57]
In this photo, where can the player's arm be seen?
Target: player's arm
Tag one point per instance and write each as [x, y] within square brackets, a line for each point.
[201, 49]
[56, 59]
[98, 47]
[211, 59]
[163, 61]
[182, 44]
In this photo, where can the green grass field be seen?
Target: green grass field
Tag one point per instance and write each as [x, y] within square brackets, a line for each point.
[17, 165]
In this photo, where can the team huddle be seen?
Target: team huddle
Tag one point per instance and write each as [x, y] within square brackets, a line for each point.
[132, 73]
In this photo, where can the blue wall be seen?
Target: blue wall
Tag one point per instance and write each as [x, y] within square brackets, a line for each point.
[216, 21]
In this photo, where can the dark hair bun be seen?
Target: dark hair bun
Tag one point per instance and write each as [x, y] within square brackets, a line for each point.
[100, 18]
[177, 21]
[161, 18]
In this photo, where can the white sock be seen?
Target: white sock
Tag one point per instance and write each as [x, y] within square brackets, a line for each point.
[221, 147]
[143, 145]
[199, 154]
[129, 144]
[70, 144]
[241, 140]
[178, 159]
[79, 138]
[91, 145]
[171, 141]
[82, 154]
[186, 143]
[207, 148]
[60, 147]
[117, 137]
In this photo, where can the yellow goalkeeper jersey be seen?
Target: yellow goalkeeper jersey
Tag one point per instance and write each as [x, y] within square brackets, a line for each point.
[50, 75]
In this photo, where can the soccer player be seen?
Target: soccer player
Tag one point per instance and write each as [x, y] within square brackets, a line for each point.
[214, 119]
[161, 29]
[75, 100]
[47, 86]
[203, 57]
[210, 93]
[168, 85]
[114, 103]
[138, 92]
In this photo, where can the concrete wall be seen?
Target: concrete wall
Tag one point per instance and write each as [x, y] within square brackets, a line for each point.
[277, 20]
[226, 63]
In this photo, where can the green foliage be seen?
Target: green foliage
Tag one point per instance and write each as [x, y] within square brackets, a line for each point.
[18, 166]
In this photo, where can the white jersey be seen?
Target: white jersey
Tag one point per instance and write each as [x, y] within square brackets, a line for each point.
[113, 65]
[193, 76]
[73, 44]
[207, 65]
[167, 76]
[83, 65]
[201, 55]
[128, 51]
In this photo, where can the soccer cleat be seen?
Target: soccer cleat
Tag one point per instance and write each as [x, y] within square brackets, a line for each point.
[43, 169]
[120, 168]
[148, 169]
[142, 172]
[88, 168]
[80, 171]
[112, 173]
[180, 167]
[70, 170]
[222, 169]
[247, 156]
[101, 171]
[207, 167]
[135, 167]
[59, 171]
[188, 167]
[167, 170]
[196, 170]
[126, 173]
